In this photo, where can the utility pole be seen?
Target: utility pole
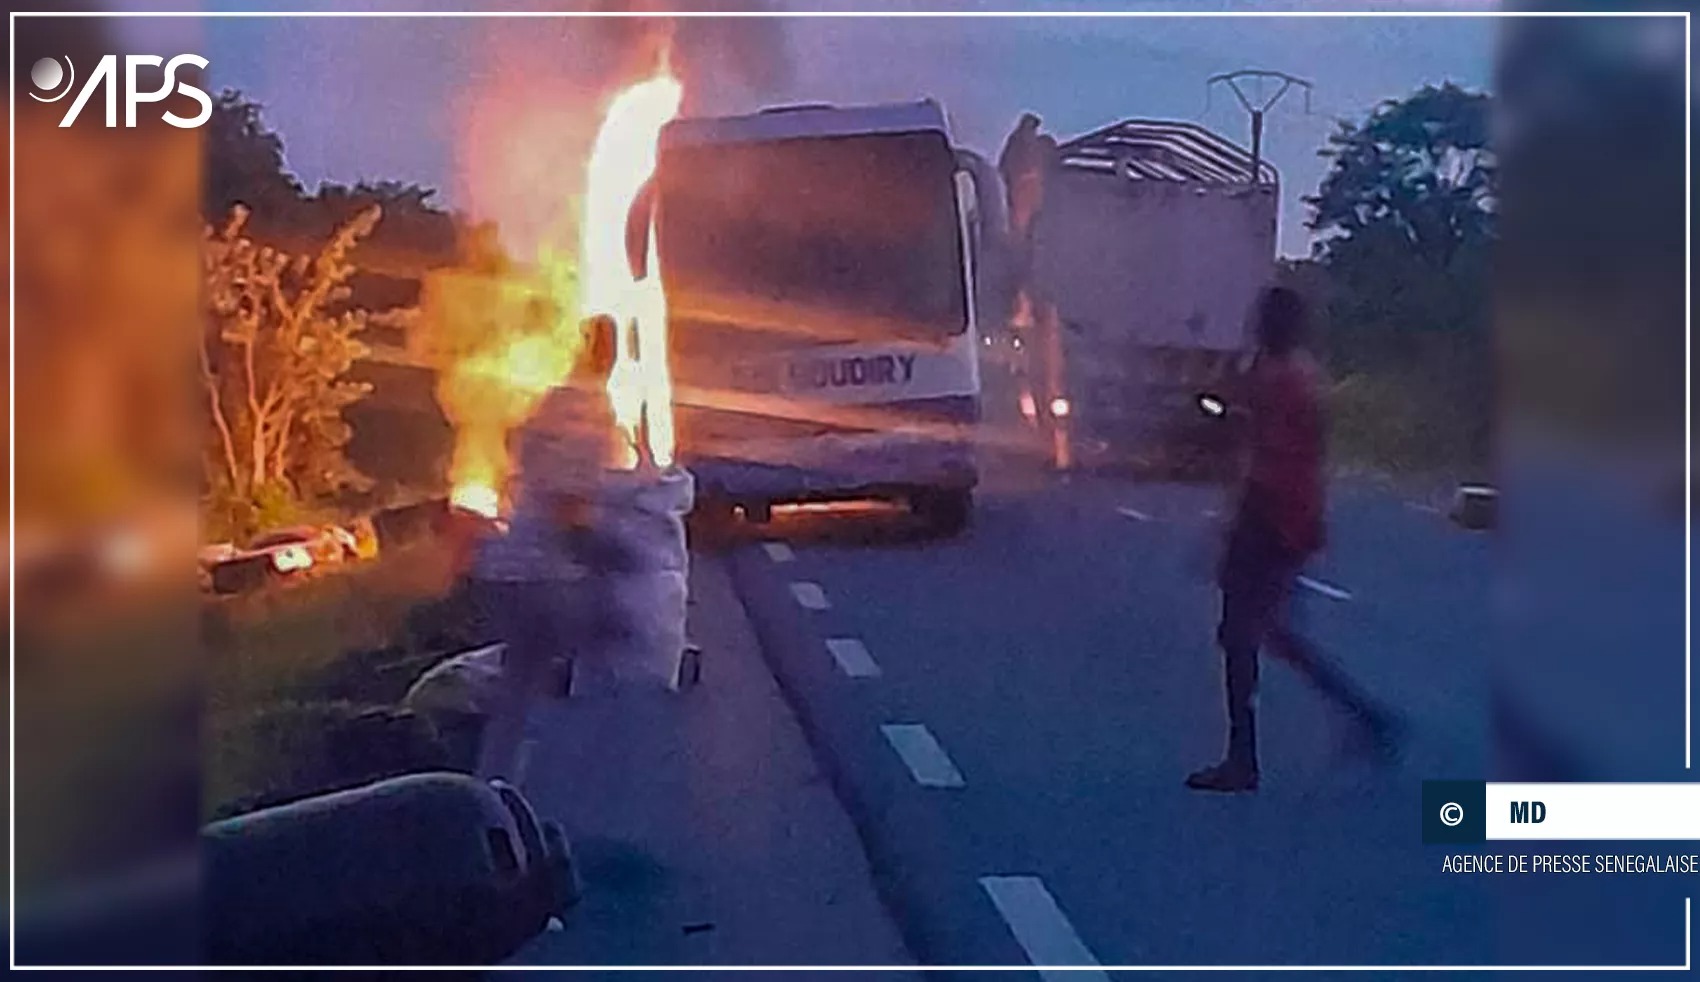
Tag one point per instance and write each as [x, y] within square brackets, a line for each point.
[1256, 108]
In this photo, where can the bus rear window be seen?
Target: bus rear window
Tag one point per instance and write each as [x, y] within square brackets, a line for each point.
[856, 235]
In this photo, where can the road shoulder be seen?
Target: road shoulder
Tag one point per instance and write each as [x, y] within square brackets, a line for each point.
[705, 832]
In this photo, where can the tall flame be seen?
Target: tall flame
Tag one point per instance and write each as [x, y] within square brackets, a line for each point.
[535, 313]
[621, 162]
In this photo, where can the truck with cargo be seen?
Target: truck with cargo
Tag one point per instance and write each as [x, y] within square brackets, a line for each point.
[1146, 253]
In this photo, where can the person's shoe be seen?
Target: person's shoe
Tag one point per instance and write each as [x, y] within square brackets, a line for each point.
[1227, 776]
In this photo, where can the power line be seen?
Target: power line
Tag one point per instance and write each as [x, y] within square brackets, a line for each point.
[1256, 108]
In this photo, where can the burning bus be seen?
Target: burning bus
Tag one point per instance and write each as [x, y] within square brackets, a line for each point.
[820, 295]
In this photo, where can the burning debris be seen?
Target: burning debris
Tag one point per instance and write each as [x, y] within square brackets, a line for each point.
[519, 342]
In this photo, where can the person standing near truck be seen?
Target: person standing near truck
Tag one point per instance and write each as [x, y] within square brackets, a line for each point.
[1277, 527]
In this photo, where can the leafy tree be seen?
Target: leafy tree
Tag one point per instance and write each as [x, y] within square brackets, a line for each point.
[244, 164]
[381, 269]
[278, 342]
[1419, 173]
[413, 224]
[1406, 220]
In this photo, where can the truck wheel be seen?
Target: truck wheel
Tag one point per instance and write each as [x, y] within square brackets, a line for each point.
[946, 513]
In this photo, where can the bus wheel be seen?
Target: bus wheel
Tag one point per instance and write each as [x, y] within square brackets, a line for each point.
[946, 513]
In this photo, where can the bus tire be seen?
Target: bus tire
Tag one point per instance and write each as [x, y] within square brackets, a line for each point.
[945, 512]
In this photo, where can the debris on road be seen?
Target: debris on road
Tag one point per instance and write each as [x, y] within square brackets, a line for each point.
[1475, 507]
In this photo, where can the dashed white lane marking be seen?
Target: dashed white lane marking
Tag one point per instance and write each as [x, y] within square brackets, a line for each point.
[853, 658]
[1328, 590]
[779, 552]
[810, 595]
[1424, 507]
[1134, 513]
[522, 761]
[1041, 928]
[927, 761]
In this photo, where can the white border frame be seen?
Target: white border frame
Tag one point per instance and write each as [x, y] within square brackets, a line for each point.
[844, 14]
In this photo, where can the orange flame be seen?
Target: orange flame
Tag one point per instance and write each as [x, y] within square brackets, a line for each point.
[515, 341]
[488, 388]
[477, 496]
[621, 162]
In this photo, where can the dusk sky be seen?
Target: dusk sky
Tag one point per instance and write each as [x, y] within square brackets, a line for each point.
[439, 101]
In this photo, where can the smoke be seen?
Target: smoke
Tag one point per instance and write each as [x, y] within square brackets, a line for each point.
[711, 55]
[526, 122]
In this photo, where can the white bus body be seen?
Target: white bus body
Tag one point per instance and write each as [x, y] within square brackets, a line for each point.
[819, 270]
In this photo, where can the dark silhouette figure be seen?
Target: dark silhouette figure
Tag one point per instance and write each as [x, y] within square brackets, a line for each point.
[1277, 528]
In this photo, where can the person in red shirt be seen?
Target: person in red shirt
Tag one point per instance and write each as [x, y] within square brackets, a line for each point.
[1277, 527]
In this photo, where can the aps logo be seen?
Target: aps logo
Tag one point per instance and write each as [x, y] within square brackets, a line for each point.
[55, 77]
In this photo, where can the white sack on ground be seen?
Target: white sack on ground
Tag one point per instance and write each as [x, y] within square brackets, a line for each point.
[634, 550]
[643, 518]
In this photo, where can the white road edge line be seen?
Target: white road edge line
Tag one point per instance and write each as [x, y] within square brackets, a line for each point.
[810, 595]
[779, 552]
[927, 762]
[1134, 513]
[853, 658]
[1042, 929]
[1326, 589]
[522, 761]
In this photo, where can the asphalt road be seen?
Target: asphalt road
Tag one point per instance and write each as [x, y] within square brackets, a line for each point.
[703, 832]
[1008, 717]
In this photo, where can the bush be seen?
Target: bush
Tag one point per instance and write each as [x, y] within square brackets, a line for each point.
[286, 750]
[302, 681]
[227, 517]
[1406, 425]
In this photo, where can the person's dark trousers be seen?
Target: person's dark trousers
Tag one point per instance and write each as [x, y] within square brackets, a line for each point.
[540, 623]
[1258, 580]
